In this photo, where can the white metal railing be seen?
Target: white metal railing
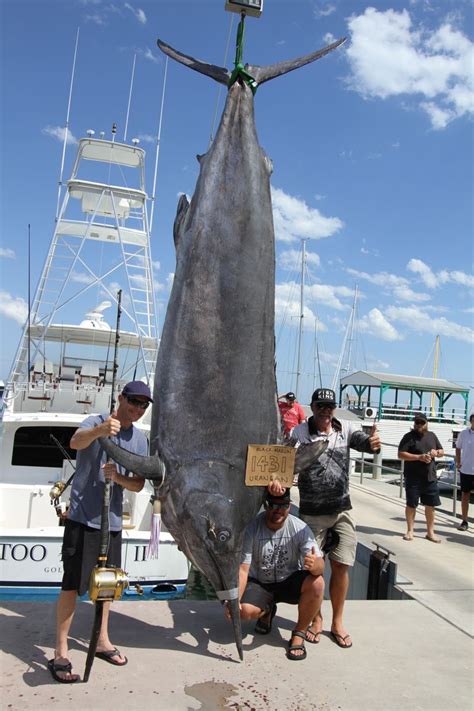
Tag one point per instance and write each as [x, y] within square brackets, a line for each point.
[391, 470]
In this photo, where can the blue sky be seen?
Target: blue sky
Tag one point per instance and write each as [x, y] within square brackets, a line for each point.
[372, 152]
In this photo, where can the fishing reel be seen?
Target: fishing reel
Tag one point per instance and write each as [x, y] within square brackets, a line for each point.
[56, 490]
[107, 584]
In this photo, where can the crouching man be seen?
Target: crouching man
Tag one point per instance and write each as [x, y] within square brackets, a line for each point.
[281, 562]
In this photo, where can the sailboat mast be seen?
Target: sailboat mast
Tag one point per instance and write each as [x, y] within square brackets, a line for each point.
[435, 375]
[300, 332]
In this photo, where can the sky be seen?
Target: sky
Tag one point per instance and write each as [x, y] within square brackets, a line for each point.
[372, 151]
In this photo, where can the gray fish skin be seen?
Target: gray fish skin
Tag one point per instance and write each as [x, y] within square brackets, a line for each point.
[215, 389]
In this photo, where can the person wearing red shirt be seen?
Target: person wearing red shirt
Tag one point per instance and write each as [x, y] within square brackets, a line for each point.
[291, 412]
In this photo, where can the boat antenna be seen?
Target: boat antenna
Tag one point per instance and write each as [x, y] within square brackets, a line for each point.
[347, 336]
[29, 299]
[95, 589]
[129, 98]
[66, 127]
[158, 141]
[300, 333]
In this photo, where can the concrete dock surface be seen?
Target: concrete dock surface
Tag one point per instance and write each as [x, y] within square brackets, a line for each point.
[414, 654]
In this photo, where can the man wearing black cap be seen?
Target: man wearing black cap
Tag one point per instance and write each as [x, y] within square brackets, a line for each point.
[81, 541]
[291, 413]
[281, 562]
[324, 495]
[418, 449]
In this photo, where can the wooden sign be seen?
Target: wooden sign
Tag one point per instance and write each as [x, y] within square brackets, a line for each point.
[266, 462]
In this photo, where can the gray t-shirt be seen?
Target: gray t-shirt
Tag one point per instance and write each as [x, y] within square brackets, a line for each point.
[275, 555]
[88, 483]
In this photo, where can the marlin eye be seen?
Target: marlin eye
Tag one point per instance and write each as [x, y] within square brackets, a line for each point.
[223, 535]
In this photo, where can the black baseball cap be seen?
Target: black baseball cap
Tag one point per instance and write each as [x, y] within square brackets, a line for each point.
[290, 396]
[324, 396]
[137, 387]
[420, 416]
[283, 499]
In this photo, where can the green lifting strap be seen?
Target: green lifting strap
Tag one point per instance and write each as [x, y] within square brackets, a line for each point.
[239, 69]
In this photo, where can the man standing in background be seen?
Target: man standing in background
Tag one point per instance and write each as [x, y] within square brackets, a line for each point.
[291, 413]
[465, 465]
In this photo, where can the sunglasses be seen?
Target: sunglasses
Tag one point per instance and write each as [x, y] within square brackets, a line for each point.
[420, 422]
[137, 403]
[324, 405]
[276, 505]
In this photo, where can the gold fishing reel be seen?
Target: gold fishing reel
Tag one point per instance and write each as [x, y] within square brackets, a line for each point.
[107, 584]
[57, 489]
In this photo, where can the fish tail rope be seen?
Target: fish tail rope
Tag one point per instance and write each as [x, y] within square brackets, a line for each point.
[153, 547]
[239, 69]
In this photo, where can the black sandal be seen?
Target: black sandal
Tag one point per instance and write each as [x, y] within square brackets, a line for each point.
[54, 668]
[265, 627]
[292, 648]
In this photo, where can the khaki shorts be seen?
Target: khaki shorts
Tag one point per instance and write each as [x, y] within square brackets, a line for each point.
[343, 524]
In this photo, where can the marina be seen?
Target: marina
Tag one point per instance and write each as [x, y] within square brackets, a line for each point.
[188, 644]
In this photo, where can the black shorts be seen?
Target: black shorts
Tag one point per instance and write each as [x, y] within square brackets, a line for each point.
[420, 489]
[80, 551]
[263, 595]
[467, 482]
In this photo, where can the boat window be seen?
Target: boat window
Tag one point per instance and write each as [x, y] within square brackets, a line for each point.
[33, 446]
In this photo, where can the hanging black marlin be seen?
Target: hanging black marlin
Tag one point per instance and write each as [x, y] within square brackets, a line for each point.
[215, 388]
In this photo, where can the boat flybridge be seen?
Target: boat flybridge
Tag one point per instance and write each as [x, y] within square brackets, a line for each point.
[63, 367]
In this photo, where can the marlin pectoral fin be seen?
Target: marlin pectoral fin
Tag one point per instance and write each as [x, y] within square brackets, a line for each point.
[219, 74]
[147, 467]
[262, 74]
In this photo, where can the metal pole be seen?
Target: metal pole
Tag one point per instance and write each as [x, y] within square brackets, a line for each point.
[401, 478]
[129, 98]
[300, 334]
[455, 489]
[158, 141]
[66, 128]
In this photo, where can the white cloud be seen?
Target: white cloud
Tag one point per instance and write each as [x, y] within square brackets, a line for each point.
[13, 307]
[139, 14]
[290, 259]
[399, 286]
[148, 54]
[294, 219]
[156, 265]
[323, 10]
[390, 57]
[82, 278]
[146, 138]
[288, 308]
[433, 280]
[420, 322]
[58, 132]
[7, 253]
[376, 324]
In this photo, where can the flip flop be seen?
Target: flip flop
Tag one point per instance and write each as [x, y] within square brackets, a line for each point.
[339, 639]
[315, 635]
[108, 657]
[54, 668]
[265, 627]
[433, 540]
[292, 648]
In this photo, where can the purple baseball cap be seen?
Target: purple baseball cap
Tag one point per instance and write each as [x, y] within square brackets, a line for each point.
[136, 387]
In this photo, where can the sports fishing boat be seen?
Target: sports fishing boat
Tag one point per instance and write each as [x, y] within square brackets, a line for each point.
[63, 371]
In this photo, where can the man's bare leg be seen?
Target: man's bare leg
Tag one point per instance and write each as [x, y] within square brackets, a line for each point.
[65, 608]
[410, 513]
[338, 588]
[430, 517]
[103, 643]
[309, 606]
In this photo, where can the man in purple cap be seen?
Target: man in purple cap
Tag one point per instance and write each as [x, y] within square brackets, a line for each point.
[81, 541]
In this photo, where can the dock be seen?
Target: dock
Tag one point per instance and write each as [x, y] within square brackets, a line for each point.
[412, 653]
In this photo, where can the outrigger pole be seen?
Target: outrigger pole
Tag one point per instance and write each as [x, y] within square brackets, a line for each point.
[66, 128]
[106, 583]
[158, 142]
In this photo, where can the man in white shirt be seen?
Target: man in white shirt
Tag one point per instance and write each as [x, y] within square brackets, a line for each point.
[465, 465]
[281, 562]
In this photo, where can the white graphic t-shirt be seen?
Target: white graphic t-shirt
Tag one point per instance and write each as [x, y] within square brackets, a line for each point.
[274, 555]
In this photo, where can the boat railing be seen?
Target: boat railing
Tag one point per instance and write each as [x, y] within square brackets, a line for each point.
[392, 411]
[379, 469]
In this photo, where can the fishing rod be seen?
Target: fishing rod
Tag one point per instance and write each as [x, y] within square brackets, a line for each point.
[59, 487]
[106, 583]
